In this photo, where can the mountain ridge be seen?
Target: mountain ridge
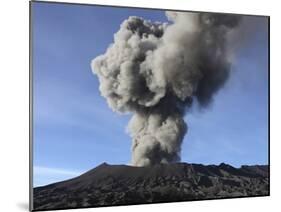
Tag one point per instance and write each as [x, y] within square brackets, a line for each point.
[123, 184]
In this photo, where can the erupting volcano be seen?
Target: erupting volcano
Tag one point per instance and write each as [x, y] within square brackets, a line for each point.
[156, 70]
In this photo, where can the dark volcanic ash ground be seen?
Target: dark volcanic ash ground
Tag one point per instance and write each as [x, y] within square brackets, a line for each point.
[122, 185]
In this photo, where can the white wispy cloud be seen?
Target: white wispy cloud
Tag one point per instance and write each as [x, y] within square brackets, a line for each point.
[46, 175]
[40, 170]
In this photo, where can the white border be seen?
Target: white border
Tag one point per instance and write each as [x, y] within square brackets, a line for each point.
[14, 110]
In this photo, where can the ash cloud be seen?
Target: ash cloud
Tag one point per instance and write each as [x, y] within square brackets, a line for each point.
[156, 70]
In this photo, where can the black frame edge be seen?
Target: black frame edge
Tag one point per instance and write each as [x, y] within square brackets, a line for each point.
[31, 208]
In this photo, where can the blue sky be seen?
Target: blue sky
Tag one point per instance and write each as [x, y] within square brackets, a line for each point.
[74, 129]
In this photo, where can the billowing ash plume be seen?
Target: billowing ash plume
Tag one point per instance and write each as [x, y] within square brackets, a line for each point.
[155, 70]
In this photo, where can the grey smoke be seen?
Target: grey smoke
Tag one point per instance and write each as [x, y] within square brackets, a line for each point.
[156, 70]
